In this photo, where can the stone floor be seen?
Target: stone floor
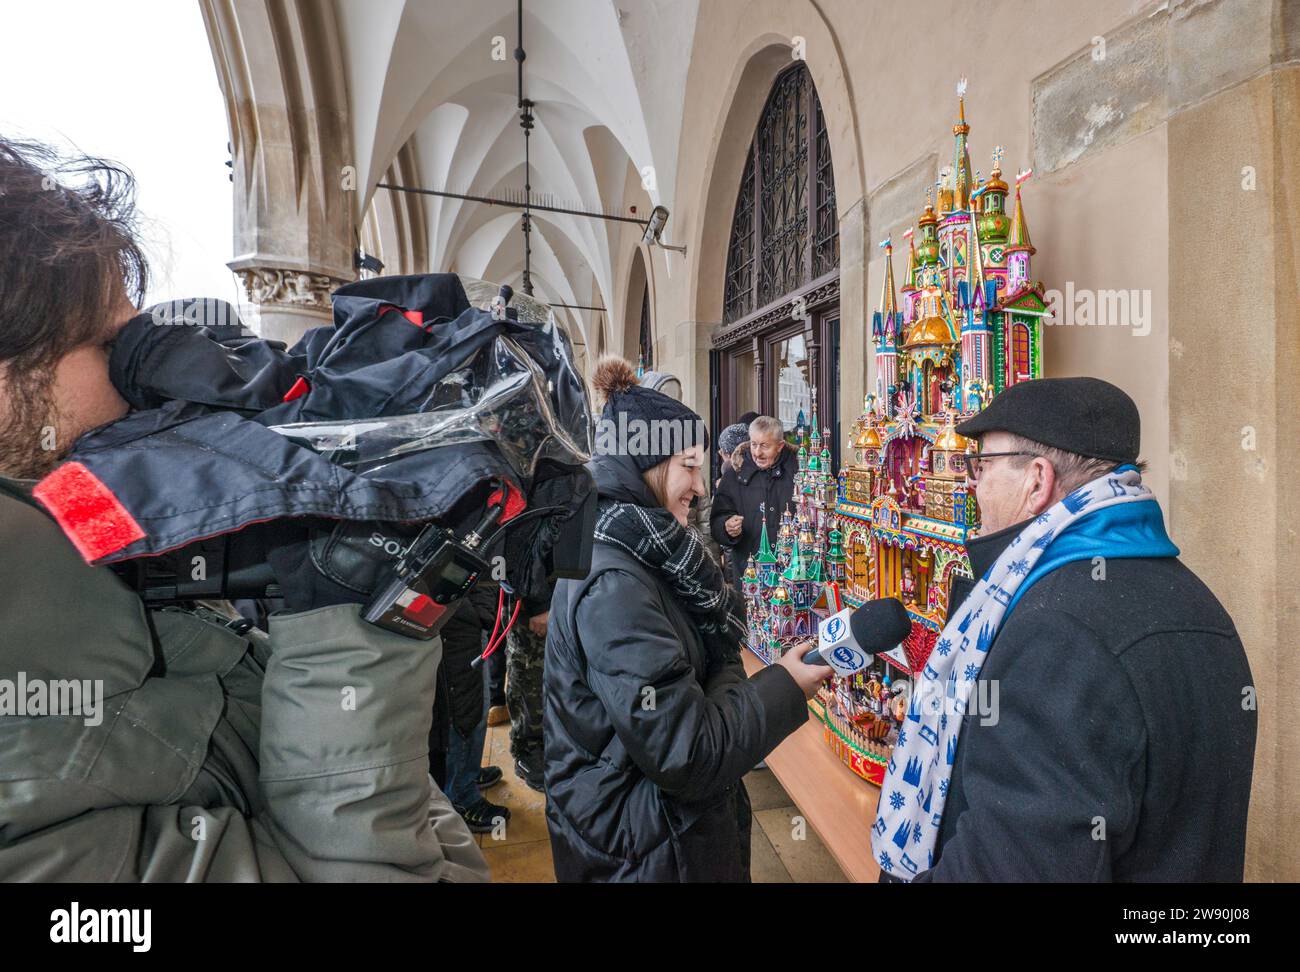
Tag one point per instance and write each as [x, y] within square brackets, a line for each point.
[784, 849]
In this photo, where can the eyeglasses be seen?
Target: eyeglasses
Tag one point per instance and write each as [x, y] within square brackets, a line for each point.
[973, 460]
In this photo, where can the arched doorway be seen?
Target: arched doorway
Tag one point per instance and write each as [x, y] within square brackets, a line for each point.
[638, 314]
[779, 340]
[645, 340]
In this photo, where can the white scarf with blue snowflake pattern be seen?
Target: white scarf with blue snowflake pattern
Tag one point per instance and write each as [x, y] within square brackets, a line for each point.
[915, 788]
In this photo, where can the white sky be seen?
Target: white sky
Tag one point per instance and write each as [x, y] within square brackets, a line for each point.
[132, 81]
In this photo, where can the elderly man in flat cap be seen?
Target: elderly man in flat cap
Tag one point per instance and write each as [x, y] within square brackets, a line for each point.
[1087, 713]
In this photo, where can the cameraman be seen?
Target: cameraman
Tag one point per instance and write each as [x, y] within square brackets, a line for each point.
[209, 751]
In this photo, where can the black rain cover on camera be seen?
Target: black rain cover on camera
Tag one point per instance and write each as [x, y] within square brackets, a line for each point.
[406, 410]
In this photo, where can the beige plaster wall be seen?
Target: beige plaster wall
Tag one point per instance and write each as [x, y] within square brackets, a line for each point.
[1234, 399]
[1118, 201]
[886, 78]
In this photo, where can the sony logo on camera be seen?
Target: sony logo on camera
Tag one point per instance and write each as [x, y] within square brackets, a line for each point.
[387, 544]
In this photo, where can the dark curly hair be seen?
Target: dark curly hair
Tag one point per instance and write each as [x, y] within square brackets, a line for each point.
[68, 252]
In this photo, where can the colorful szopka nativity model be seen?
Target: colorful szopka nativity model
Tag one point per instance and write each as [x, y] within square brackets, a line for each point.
[895, 521]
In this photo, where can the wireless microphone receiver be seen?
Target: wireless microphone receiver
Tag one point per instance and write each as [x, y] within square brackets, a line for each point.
[847, 640]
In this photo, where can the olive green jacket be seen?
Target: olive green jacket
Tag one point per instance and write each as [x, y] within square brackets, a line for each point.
[295, 756]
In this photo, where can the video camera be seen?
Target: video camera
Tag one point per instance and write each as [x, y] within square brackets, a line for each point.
[392, 460]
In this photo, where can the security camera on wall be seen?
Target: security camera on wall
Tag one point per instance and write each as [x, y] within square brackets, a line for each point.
[655, 225]
[654, 230]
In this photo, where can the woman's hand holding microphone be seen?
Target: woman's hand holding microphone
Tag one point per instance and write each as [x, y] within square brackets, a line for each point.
[808, 677]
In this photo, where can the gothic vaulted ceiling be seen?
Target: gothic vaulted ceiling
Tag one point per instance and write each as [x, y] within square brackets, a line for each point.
[435, 80]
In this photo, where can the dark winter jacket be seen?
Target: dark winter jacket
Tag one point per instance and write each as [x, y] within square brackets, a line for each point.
[460, 681]
[741, 493]
[1124, 739]
[645, 747]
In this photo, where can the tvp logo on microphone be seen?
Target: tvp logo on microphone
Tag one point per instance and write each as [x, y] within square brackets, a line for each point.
[837, 647]
[833, 630]
[847, 660]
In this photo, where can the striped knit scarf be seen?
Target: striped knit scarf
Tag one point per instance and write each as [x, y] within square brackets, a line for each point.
[676, 553]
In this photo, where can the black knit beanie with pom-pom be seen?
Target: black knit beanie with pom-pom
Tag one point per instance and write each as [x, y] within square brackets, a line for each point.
[639, 422]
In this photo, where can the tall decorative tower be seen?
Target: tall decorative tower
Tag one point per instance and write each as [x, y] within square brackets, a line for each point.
[993, 226]
[1019, 248]
[886, 325]
[983, 287]
[955, 187]
[784, 539]
[782, 612]
[767, 566]
[749, 582]
[835, 557]
[911, 286]
[1018, 327]
[795, 579]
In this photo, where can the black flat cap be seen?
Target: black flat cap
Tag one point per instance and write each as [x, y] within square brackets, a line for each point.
[1087, 416]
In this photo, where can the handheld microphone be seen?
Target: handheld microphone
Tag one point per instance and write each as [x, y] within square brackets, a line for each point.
[847, 640]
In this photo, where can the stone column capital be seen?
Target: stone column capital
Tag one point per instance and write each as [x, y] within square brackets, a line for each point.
[286, 287]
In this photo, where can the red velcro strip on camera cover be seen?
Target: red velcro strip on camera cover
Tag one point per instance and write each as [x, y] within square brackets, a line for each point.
[414, 316]
[92, 517]
[514, 501]
[300, 387]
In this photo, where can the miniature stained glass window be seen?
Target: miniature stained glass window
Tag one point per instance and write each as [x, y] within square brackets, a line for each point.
[1020, 351]
[861, 563]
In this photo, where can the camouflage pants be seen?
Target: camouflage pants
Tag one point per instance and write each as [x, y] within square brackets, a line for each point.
[525, 653]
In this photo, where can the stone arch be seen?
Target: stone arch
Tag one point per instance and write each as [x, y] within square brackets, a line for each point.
[393, 228]
[734, 115]
[733, 112]
[639, 283]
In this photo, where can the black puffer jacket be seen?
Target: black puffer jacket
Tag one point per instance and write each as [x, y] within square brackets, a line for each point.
[1122, 747]
[741, 493]
[645, 748]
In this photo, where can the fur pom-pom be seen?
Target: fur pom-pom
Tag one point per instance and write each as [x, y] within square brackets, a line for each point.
[738, 455]
[612, 375]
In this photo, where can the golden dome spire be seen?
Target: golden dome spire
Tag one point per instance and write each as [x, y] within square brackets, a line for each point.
[888, 301]
[909, 277]
[975, 265]
[949, 439]
[868, 437]
[928, 217]
[1019, 237]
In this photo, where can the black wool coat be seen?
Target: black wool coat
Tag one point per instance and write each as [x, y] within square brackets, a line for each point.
[1124, 739]
[645, 743]
[741, 493]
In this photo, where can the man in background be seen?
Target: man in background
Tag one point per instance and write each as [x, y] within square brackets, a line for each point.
[460, 712]
[761, 488]
[525, 655]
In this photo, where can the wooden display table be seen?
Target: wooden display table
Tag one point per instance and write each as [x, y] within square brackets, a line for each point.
[837, 803]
